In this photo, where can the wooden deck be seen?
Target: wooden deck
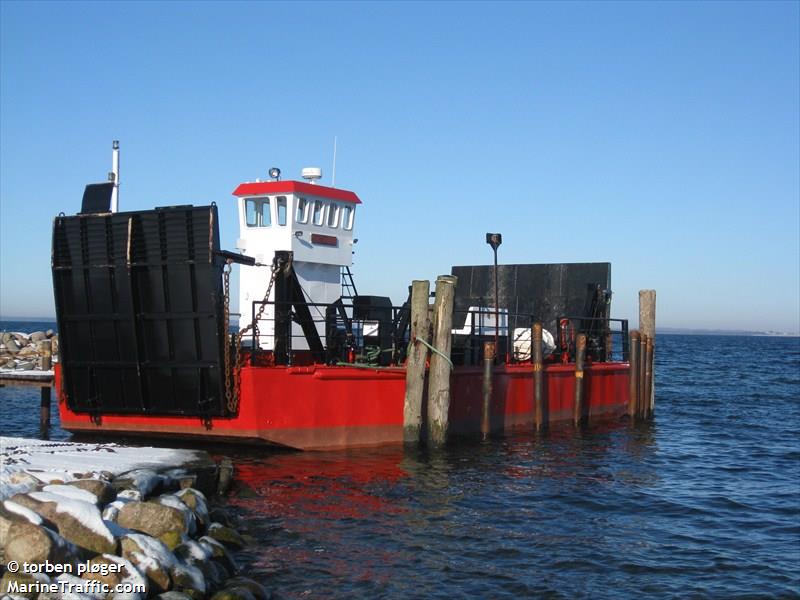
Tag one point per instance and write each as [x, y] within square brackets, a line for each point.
[41, 379]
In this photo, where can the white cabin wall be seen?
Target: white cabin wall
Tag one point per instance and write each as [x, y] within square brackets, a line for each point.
[317, 265]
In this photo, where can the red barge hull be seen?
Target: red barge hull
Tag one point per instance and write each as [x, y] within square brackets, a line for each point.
[322, 407]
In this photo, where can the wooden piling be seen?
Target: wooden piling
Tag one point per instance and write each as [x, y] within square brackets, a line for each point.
[648, 378]
[45, 349]
[488, 368]
[439, 378]
[224, 476]
[647, 326]
[642, 381]
[633, 389]
[415, 362]
[580, 354]
[538, 376]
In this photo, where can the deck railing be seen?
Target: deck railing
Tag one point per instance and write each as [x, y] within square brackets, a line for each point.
[380, 336]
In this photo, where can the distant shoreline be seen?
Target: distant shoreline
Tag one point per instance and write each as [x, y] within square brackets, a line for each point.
[680, 331]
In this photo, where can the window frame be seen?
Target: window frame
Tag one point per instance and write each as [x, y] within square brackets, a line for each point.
[301, 216]
[258, 202]
[348, 214]
[281, 202]
[321, 214]
[333, 211]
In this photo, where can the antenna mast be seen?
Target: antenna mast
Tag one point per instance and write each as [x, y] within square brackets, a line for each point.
[333, 171]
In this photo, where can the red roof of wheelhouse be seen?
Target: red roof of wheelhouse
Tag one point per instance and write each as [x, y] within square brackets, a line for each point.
[288, 187]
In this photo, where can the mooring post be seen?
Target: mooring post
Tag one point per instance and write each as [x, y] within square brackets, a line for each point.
[642, 378]
[633, 387]
[580, 354]
[538, 387]
[46, 351]
[647, 325]
[488, 367]
[415, 362]
[224, 476]
[648, 378]
[439, 379]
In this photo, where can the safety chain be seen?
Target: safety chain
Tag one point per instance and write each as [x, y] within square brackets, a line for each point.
[232, 383]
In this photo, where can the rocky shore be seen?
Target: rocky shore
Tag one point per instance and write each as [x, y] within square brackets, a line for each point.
[144, 533]
[25, 351]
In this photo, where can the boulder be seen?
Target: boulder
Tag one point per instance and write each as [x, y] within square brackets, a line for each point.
[213, 573]
[111, 511]
[189, 580]
[172, 539]
[219, 553]
[119, 571]
[70, 582]
[29, 543]
[11, 346]
[227, 535]
[103, 490]
[37, 336]
[220, 515]
[10, 513]
[196, 500]
[233, 593]
[192, 551]
[178, 504]
[77, 521]
[151, 557]
[130, 495]
[255, 588]
[23, 585]
[70, 491]
[152, 518]
[146, 481]
[27, 352]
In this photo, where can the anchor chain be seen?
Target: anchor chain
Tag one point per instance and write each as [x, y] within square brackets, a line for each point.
[232, 383]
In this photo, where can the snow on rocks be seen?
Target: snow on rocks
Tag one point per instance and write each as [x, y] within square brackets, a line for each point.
[23, 351]
[152, 557]
[24, 463]
[144, 481]
[117, 522]
[154, 519]
[20, 510]
[114, 571]
[70, 491]
[78, 521]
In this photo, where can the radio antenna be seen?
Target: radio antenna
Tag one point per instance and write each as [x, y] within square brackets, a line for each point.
[333, 171]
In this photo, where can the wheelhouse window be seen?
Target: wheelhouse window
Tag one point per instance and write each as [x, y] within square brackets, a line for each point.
[280, 203]
[318, 215]
[301, 215]
[347, 217]
[257, 212]
[333, 215]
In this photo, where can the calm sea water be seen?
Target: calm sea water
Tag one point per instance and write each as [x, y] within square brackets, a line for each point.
[702, 502]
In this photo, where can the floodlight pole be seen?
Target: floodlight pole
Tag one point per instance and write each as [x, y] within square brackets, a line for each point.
[494, 240]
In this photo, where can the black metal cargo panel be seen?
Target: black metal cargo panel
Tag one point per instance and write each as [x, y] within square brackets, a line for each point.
[139, 303]
[546, 291]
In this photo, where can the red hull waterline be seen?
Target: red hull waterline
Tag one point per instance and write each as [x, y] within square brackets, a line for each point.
[332, 407]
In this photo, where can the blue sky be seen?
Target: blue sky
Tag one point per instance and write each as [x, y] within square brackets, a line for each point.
[662, 137]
